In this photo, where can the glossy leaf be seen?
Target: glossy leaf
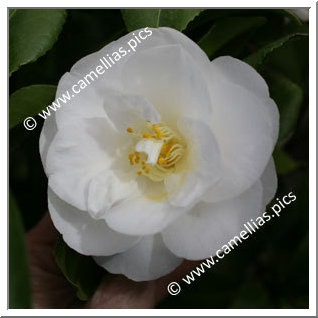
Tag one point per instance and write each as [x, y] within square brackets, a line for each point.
[289, 98]
[173, 18]
[76, 41]
[32, 32]
[284, 163]
[225, 30]
[80, 270]
[19, 284]
[257, 59]
[292, 61]
[29, 101]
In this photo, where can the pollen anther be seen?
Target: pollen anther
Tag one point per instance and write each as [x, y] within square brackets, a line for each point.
[172, 150]
[130, 130]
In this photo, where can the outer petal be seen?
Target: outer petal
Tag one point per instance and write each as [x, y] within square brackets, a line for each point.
[171, 80]
[200, 233]
[186, 187]
[142, 216]
[246, 128]
[239, 73]
[147, 260]
[81, 166]
[48, 133]
[157, 37]
[88, 102]
[269, 181]
[82, 233]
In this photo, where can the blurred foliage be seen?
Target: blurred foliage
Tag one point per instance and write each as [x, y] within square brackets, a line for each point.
[257, 59]
[81, 271]
[174, 18]
[284, 163]
[268, 271]
[19, 285]
[289, 98]
[223, 32]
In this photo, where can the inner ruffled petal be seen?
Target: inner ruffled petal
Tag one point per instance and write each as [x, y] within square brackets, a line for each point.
[201, 167]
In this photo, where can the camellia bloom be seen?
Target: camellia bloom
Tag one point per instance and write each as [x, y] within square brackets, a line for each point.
[163, 158]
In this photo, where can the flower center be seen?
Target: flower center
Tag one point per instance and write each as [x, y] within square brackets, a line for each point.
[157, 152]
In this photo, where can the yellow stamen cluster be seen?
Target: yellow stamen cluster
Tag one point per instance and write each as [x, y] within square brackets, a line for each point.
[161, 161]
[172, 151]
[158, 132]
[154, 129]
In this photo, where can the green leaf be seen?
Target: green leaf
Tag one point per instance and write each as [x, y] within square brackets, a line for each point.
[225, 30]
[105, 26]
[19, 284]
[80, 270]
[289, 98]
[29, 101]
[11, 13]
[292, 60]
[257, 59]
[284, 163]
[32, 32]
[173, 18]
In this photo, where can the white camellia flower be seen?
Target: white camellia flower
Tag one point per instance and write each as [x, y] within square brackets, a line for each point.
[163, 158]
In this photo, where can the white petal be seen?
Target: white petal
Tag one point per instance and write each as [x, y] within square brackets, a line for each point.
[82, 160]
[82, 233]
[269, 181]
[246, 129]
[186, 188]
[142, 216]
[147, 260]
[171, 80]
[232, 70]
[150, 147]
[200, 233]
[48, 133]
[107, 189]
[88, 102]
[168, 36]
[128, 110]
[239, 73]
[157, 37]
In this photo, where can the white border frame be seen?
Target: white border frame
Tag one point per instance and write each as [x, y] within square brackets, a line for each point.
[312, 159]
